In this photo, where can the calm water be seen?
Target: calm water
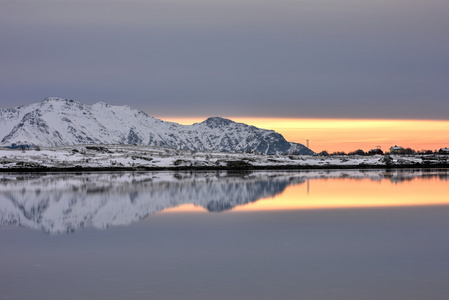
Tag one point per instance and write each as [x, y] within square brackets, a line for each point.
[263, 235]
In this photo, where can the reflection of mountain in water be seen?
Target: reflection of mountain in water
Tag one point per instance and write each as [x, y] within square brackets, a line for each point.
[65, 202]
[58, 203]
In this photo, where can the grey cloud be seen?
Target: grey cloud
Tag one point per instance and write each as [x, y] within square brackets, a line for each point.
[271, 58]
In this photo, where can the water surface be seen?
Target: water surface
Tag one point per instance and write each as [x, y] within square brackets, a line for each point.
[218, 235]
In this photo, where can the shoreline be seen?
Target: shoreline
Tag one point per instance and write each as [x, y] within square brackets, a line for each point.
[116, 158]
[75, 169]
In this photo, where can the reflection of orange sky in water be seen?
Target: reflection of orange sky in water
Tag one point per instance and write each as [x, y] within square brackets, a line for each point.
[184, 208]
[349, 135]
[348, 193]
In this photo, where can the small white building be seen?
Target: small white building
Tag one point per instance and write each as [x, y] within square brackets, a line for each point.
[396, 150]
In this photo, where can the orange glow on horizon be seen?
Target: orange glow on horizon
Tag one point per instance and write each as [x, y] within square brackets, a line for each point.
[351, 134]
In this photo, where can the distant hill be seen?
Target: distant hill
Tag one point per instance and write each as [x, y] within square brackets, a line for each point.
[57, 122]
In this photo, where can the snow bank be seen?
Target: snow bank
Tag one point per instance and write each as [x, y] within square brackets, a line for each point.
[125, 157]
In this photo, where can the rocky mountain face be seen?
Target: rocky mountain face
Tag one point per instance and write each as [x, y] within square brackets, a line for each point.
[57, 122]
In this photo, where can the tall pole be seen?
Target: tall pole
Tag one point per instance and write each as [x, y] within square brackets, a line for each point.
[307, 143]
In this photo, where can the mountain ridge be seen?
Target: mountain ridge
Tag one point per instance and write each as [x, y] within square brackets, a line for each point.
[55, 122]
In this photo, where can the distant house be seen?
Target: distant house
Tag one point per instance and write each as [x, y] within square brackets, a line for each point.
[375, 151]
[444, 150]
[396, 150]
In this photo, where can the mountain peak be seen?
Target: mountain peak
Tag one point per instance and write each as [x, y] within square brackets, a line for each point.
[214, 122]
[56, 99]
[52, 102]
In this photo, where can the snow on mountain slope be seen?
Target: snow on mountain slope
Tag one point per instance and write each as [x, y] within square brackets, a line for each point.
[60, 122]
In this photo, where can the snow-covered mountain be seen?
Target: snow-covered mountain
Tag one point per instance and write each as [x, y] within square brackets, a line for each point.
[61, 122]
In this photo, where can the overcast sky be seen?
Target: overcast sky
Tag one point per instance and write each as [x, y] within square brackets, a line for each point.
[275, 58]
